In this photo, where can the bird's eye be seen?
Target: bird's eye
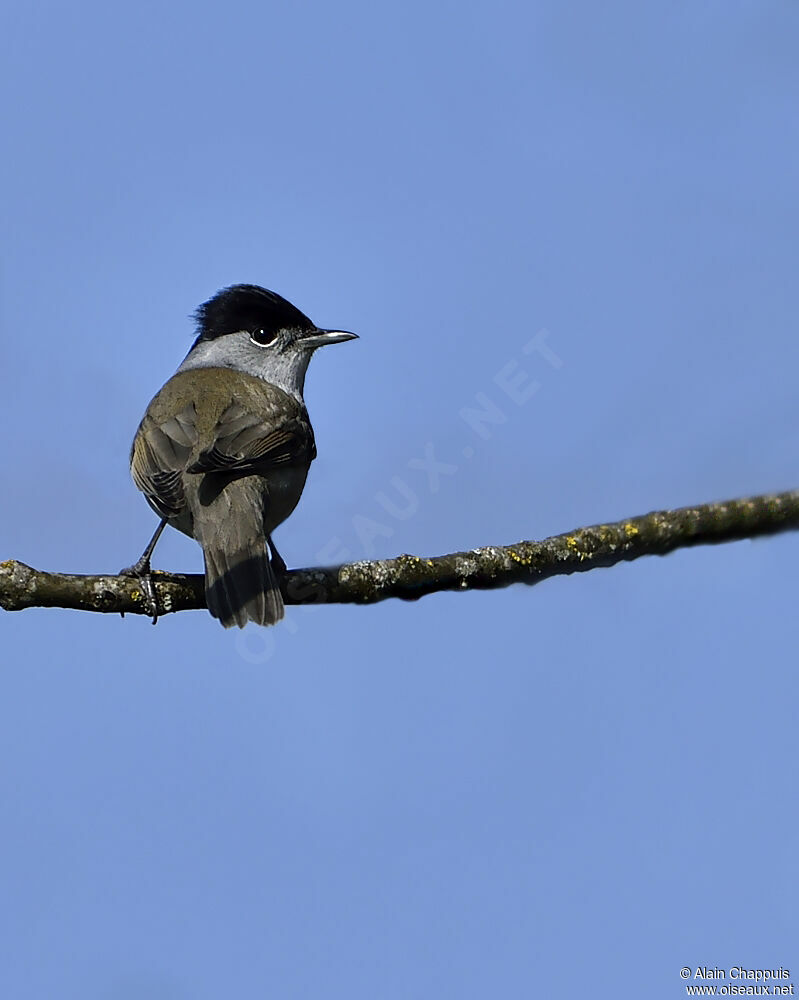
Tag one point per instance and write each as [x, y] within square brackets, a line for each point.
[263, 338]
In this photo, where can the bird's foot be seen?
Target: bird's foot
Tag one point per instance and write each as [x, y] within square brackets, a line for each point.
[141, 571]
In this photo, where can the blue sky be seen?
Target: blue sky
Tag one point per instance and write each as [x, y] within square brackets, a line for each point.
[572, 790]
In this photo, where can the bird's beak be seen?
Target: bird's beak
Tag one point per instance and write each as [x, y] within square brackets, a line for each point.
[318, 338]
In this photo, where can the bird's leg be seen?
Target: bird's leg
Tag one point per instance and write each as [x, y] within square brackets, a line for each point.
[141, 570]
[278, 564]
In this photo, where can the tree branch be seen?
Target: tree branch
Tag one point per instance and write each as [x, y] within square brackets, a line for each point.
[409, 577]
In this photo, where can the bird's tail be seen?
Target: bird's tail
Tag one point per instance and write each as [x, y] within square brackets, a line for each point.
[241, 586]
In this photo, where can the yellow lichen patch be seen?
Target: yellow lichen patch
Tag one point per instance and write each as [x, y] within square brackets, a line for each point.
[630, 528]
[7, 564]
[522, 560]
[574, 546]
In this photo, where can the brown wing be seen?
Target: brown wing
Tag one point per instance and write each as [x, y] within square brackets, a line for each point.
[160, 454]
[244, 441]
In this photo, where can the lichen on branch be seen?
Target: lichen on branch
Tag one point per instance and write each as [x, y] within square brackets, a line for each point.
[411, 577]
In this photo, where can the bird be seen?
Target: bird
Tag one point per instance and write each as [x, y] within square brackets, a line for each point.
[223, 450]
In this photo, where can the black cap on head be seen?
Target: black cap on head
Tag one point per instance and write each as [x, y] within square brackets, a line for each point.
[247, 307]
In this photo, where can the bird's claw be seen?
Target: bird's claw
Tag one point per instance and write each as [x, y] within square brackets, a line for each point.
[141, 571]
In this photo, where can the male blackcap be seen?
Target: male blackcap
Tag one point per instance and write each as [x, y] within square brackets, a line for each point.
[224, 448]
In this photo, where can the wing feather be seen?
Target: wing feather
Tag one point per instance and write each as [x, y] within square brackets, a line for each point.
[273, 431]
[159, 456]
[247, 442]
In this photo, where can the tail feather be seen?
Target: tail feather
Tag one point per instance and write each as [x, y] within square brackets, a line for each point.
[241, 586]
